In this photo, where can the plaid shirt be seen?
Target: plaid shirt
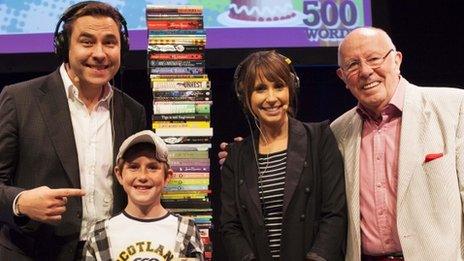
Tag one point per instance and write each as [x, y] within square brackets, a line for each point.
[188, 241]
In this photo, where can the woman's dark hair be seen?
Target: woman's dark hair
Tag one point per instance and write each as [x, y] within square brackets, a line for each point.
[269, 65]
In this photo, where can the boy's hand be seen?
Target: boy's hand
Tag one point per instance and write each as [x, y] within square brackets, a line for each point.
[223, 153]
[46, 205]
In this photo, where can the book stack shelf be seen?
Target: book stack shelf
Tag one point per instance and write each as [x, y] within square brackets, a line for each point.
[181, 108]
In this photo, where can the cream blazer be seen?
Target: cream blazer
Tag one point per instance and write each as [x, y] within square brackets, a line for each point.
[430, 195]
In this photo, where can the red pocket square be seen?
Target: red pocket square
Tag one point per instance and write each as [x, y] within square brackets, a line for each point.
[432, 156]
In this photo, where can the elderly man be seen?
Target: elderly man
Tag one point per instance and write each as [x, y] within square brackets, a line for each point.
[403, 151]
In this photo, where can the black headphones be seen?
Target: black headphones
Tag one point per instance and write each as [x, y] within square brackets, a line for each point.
[61, 41]
[237, 75]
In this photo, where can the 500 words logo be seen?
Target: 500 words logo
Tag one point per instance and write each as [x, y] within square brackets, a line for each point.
[329, 20]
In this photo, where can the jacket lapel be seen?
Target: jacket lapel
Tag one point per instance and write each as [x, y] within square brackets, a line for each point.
[53, 104]
[117, 115]
[411, 142]
[251, 177]
[350, 150]
[296, 155]
[297, 141]
[118, 125]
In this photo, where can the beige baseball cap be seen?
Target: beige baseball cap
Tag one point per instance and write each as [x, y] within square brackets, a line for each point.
[145, 136]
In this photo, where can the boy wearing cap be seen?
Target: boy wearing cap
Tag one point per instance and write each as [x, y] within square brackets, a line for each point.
[144, 230]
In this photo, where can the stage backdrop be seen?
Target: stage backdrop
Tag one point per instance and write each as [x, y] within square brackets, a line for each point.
[27, 26]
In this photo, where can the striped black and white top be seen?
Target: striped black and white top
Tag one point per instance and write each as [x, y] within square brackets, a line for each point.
[271, 183]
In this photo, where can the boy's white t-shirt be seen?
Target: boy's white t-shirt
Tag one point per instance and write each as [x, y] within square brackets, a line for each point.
[151, 240]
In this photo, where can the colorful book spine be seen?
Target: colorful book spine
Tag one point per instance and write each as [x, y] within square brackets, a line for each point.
[182, 196]
[189, 181]
[178, 9]
[174, 24]
[173, 17]
[189, 162]
[177, 70]
[162, 33]
[189, 147]
[185, 187]
[187, 63]
[180, 132]
[188, 154]
[180, 124]
[177, 48]
[181, 107]
[192, 169]
[176, 56]
[157, 77]
[202, 192]
[186, 139]
[182, 117]
[182, 95]
[185, 40]
[191, 175]
[181, 98]
[180, 85]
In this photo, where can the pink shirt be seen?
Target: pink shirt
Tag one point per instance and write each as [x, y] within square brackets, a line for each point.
[380, 143]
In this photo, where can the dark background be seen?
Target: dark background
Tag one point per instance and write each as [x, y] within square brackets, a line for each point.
[428, 33]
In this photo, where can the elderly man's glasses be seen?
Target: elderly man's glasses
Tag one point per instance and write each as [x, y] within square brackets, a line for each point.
[374, 62]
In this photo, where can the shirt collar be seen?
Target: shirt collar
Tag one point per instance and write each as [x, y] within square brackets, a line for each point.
[72, 92]
[395, 105]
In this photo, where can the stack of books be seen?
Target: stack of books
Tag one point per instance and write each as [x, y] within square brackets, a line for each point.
[181, 108]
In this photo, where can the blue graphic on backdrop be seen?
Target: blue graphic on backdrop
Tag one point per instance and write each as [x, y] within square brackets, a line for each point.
[40, 16]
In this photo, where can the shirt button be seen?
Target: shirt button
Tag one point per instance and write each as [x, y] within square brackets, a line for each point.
[307, 190]
[380, 212]
[379, 185]
[106, 200]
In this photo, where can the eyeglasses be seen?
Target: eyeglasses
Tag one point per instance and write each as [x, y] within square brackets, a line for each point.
[374, 62]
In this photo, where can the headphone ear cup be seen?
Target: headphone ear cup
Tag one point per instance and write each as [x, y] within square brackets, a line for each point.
[239, 95]
[124, 46]
[124, 35]
[238, 92]
[297, 91]
[61, 46]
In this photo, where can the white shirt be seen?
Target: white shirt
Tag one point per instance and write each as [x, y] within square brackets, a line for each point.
[153, 239]
[94, 143]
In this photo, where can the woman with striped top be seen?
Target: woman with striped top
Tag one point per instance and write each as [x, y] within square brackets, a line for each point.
[283, 195]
